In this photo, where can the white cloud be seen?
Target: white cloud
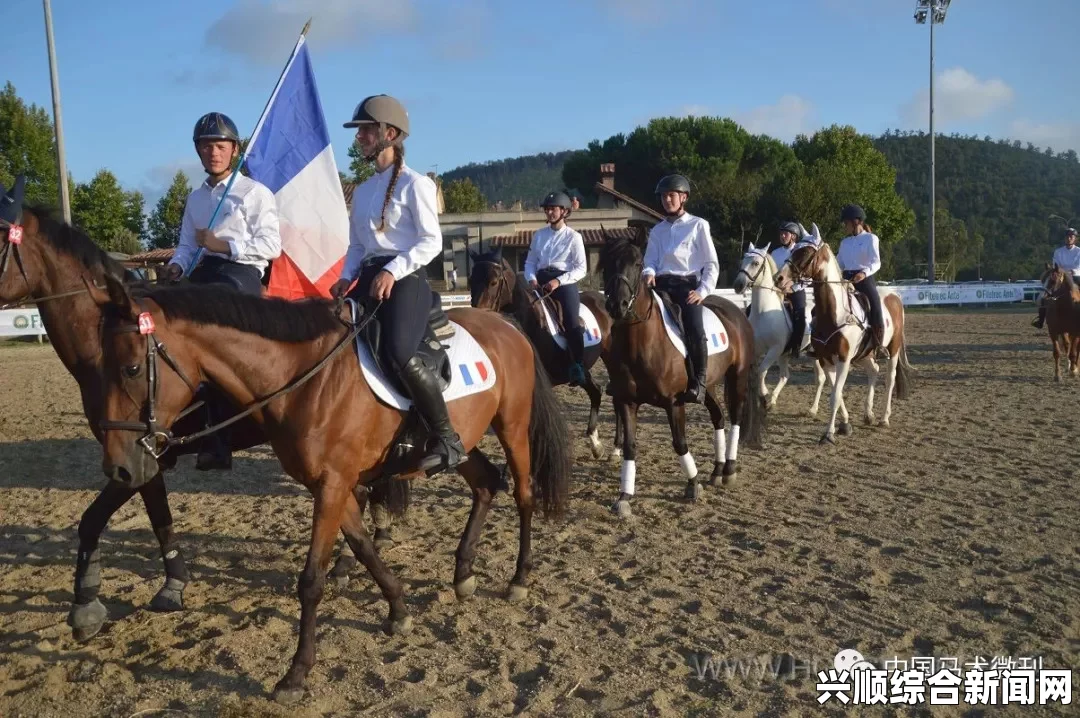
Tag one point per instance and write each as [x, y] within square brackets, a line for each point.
[789, 116]
[1060, 136]
[266, 30]
[958, 96]
[157, 179]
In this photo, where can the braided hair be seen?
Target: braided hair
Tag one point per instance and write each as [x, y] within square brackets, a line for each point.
[399, 160]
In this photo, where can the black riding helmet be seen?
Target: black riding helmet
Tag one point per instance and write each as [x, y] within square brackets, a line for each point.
[852, 211]
[557, 199]
[215, 126]
[673, 183]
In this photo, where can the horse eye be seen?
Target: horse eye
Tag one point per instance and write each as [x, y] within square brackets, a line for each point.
[132, 370]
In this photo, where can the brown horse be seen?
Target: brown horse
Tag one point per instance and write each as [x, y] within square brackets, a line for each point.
[1062, 301]
[838, 339]
[646, 368]
[495, 285]
[48, 268]
[329, 430]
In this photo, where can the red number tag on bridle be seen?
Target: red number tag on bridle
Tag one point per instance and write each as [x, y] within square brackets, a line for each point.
[146, 323]
[15, 234]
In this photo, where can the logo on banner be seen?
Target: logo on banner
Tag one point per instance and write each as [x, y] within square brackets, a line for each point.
[21, 321]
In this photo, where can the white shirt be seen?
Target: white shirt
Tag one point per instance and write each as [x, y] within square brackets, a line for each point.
[859, 253]
[683, 247]
[563, 249]
[781, 255]
[1068, 258]
[248, 221]
[412, 234]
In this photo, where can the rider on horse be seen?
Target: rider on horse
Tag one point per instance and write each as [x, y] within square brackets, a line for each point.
[1066, 257]
[790, 233]
[680, 259]
[556, 261]
[237, 250]
[394, 233]
[859, 258]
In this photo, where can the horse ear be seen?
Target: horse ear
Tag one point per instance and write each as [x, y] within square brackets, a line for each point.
[114, 292]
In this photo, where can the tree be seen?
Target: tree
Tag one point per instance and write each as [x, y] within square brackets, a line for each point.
[846, 168]
[359, 167]
[164, 224]
[134, 216]
[104, 211]
[463, 196]
[27, 147]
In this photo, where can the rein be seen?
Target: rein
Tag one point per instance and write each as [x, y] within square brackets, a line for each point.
[158, 441]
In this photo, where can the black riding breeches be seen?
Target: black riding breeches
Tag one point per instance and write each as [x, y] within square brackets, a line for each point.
[215, 270]
[403, 316]
[569, 298]
[868, 288]
[798, 317]
[679, 289]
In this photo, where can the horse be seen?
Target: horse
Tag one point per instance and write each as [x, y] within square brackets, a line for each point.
[1062, 298]
[495, 285]
[47, 267]
[331, 431]
[840, 333]
[647, 368]
[772, 325]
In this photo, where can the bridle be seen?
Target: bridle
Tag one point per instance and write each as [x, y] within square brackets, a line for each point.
[158, 440]
[503, 284]
[13, 232]
[619, 278]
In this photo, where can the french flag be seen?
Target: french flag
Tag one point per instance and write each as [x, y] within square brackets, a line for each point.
[290, 153]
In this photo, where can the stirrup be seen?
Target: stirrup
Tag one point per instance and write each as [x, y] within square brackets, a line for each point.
[448, 453]
[577, 374]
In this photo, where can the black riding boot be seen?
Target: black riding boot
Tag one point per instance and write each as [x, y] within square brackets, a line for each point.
[1038, 323]
[444, 447]
[215, 454]
[697, 382]
[575, 342]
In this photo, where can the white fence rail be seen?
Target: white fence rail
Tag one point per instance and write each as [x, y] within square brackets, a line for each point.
[27, 322]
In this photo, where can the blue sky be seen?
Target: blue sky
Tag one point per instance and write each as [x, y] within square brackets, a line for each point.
[487, 79]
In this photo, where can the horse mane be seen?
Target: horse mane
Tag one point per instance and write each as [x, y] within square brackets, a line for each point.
[771, 263]
[618, 252]
[272, 318]
[76, 244]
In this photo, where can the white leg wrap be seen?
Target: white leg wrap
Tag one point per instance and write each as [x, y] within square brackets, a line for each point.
[627, 476]
[688, 465]
[733, 447]
[719, 446]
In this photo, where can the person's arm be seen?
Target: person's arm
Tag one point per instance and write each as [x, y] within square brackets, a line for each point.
[186, 247]
[578, 265]
[264, 239]
[875, 256]
[710, 272]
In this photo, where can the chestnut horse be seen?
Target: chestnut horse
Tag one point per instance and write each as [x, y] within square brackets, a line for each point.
[285, 361]
[495, 285]
[1062, 300]
[646, 368]
[839, 339]
[47, 267]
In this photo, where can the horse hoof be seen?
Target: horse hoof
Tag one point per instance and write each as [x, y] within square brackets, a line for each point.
[595, 445]
[516, 593]
[466, 588]
[846, 429]
[383, 539]
[170, 597]
[828, 439]
[402, 626]
[731, 473]
[86, 620]
[869, 420]
[288, 696]
[622, 509]
[884, 423]
[693, 490]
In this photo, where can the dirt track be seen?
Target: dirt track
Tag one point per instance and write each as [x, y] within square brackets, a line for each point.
[952, 534]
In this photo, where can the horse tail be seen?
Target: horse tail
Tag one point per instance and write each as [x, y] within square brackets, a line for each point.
[905, 379]
[754, 417]
[394, 495]
[549, 445]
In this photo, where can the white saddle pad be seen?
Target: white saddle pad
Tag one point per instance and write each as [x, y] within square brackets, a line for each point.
[592, 328]
[471, 370]
[715, 332]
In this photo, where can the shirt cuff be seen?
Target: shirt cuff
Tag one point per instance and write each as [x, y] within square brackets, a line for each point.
[563, 279]
[648, 272]
[703, 290]
[234, 250]
[530, 277]
[394, 266]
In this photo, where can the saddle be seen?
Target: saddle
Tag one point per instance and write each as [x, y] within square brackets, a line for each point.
[431, 351]
[673, 309]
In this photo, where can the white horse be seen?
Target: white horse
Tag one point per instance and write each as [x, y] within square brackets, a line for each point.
[772, 324]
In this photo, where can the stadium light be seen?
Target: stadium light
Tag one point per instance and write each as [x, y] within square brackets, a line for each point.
[931, 12]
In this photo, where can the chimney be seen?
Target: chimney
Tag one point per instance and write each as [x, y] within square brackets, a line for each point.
[607, 175]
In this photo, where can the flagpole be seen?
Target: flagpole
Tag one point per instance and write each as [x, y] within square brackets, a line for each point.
[251, 140]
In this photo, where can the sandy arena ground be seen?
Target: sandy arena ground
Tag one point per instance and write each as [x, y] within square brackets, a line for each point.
[952, 534]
